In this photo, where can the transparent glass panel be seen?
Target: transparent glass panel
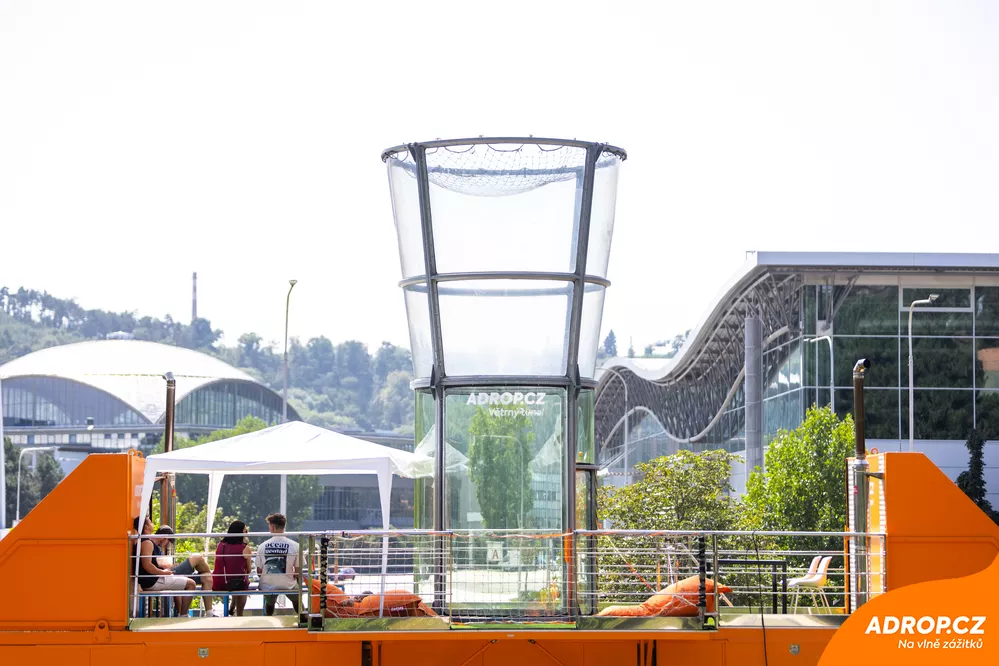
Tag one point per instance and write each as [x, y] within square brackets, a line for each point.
[795, 379]
[946, 298]
[880, 411]
[939, 414]
[939, 363]
[881, 352]
[406, 211]
[602, 214]
[868, 310]
[589, 329]
[505, 327]
[505, 458]
[513, 208]
[420, 338]
[927, 322]
[585, 447]
[988, 414]
[987, 311]
[424, 430]
[987, 364]
[810, 313]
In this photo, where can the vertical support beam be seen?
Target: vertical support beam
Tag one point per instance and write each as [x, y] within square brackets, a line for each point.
[754, 393]
[581, 239]
[859, 492]
[438, 372]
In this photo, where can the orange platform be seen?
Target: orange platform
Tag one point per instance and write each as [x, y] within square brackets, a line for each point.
[64, 591]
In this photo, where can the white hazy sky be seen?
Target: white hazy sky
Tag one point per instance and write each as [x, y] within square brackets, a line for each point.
[142, 141]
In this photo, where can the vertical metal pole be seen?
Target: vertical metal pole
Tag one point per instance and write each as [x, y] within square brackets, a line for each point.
[167, 506]
[860, 490]
[832, 377]
[284, 395]
[419, 155]
[17, 502]
[911, 410]
[582, 241]
[753, 393]
[702, 574]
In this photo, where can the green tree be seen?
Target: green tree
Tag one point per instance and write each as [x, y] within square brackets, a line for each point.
[498, 456]
[610, 344]
[683, 491]
[972, 481]
[35, 483]
[804, 485]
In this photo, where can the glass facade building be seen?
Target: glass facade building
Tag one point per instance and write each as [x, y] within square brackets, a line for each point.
[111, 394]
[821, 313]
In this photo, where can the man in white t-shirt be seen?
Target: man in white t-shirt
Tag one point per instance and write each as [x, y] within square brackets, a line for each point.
[277, 564]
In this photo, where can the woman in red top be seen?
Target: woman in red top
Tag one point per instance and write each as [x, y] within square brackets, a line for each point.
[233, 560]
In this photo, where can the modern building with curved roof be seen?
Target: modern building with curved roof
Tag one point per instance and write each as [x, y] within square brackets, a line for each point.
[112, 394]
[797, 322]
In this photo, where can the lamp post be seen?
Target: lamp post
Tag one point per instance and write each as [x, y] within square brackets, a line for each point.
[30, 449]
[832, 371]
[284, 393]
[912, 420]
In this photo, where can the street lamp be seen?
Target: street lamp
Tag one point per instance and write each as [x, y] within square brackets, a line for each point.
[832, 371]
[284, 396]
[32, 449]
[912, 306]
[287, 306]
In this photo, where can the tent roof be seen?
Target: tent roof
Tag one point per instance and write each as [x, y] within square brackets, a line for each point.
[290, 448]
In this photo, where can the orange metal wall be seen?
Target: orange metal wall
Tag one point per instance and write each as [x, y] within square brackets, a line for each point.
[64, 566]
[934, 531]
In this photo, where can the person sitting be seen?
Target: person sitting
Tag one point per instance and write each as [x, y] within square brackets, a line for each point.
[194, 567]
[277, 564]
[233, 559]
[152, 577]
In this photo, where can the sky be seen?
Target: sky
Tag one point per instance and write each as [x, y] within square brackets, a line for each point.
[140, 142]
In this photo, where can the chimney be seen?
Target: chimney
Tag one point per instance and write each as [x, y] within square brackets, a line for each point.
[194, 298]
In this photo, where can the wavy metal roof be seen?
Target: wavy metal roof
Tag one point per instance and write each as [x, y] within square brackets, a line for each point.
[687, 393]
[130, 370]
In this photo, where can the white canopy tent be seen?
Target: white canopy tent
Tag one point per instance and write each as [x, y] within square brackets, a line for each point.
[289, 448]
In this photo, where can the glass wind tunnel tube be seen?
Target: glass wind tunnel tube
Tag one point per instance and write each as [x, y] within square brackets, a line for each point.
[504, 246]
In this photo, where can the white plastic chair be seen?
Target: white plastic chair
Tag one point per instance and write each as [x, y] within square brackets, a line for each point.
[814, 582]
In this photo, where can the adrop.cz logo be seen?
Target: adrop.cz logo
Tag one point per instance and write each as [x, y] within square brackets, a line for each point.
[507, 398]
[909, 624]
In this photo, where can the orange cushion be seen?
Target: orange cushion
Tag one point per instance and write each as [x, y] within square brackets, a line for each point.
[398, 603]
[334, 595]
[624, 611]
[680, 598]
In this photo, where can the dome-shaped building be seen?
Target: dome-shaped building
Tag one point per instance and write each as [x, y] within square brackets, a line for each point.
[112, 394]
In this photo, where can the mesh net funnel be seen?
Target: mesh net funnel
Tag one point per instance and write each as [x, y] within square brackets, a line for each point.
[502, 167]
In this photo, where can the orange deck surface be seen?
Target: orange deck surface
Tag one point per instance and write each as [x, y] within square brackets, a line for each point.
[64, 591]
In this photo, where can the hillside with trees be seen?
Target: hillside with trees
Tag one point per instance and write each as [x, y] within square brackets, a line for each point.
[341, 386]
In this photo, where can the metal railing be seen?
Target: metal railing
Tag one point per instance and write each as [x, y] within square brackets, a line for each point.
[483, 576]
